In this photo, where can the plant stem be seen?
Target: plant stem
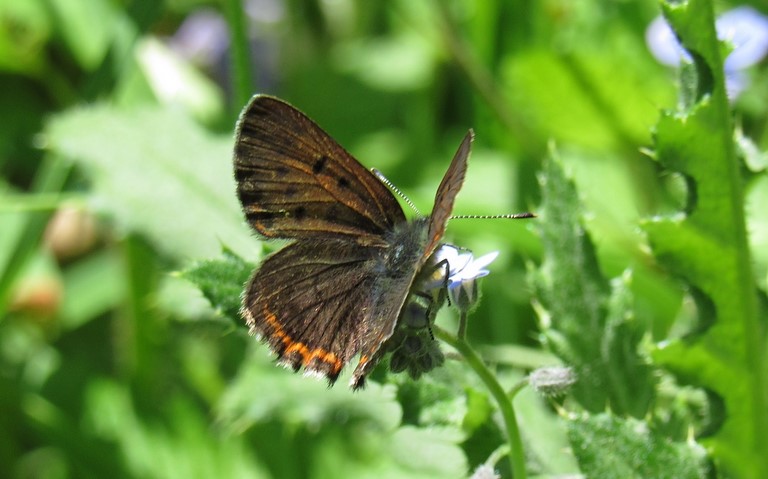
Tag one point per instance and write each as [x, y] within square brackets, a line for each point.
[242, 81]
[461, 332]
[483, 81]
[516, 455]
[49, 180]
[19, 203]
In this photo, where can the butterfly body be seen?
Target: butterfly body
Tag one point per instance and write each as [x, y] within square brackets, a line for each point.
[338, 289]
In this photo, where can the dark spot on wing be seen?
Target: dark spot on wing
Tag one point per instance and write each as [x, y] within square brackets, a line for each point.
[300, 213]
[319, 164]
[265, 217]
[249, 197]
[241, 174]
[343, 182]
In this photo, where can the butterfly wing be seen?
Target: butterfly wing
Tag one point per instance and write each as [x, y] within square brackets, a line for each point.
[311, 300]
[295, 181]
[446, 195]
[417, 242]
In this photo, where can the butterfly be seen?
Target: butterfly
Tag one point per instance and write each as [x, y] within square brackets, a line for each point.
[353, 263]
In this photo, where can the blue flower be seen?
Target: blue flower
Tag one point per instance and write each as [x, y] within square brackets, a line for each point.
[464, 270]
[744, 28]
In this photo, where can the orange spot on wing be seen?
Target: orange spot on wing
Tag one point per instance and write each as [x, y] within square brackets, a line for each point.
[307, 354]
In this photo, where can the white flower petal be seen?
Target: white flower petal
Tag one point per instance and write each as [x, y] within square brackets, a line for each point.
[485, 260]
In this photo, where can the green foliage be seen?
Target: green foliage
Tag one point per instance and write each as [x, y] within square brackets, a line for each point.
[221, 282]
[609, 447]
[587, 321]
[122, 352]
[179, 445]
[374, 443]
[708, 249]
[158, 173]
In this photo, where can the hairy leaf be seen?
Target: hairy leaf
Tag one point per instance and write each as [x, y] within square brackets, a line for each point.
[610, 447]
[707, 247]
[587, 322]
[158, 173]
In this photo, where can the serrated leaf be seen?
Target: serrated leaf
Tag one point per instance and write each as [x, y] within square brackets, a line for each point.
[159, 174]
[221, 282]
[708, 248]
[609, 447]
[588, 323]
[630, 376]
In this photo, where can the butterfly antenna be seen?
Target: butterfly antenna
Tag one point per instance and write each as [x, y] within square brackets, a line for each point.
[394, 189]
[514, 216]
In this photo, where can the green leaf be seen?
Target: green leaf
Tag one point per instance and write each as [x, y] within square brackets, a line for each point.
[92, 288]
[587, 321]
[87, 27]
[157, 173]
[405, 453]
[177, 83]
[221, 282]
[566, 92]
[630, 376]
[185, 447]
[24, 32]
[263, 392]
[610, 447]
[544, 434]
[372, 62]
[360, 431]
[708, 248]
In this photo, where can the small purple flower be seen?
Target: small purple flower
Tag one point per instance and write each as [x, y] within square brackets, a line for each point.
[744, 28]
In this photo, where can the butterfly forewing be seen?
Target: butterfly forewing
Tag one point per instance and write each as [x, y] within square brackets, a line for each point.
[295, 181]
[446, 194]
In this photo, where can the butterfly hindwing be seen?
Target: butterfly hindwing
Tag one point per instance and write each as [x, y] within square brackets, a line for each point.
[320, 303]
[309, 301]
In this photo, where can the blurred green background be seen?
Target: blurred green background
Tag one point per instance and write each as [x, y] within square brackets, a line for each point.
[117, 120]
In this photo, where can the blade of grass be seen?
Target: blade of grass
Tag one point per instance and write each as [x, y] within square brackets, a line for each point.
[242, 78]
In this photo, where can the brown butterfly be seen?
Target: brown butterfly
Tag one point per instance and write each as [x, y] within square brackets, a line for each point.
[338, 289]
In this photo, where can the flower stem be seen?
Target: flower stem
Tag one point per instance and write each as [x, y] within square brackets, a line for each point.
[516, 456]
[461, 333]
